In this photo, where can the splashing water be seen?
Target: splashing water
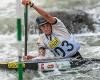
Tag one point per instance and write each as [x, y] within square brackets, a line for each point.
[90, 44]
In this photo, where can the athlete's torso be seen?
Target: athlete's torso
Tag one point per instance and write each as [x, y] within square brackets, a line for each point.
[62, 43]
[61, 46]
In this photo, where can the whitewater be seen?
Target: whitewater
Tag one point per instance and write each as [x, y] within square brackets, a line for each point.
[90, 46]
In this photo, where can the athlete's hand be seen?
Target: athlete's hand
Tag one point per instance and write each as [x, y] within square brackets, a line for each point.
[25, 2]
[27, 58]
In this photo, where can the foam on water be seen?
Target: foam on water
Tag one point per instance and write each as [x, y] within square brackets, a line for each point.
[89, 48]
[4, 3]
[8, 53]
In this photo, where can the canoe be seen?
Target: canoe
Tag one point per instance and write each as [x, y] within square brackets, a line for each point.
[48, 64]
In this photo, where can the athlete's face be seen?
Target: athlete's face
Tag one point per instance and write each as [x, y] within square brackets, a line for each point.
[46, 28]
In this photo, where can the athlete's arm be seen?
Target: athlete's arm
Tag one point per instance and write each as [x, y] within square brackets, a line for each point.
[43, 13]
[46, 15]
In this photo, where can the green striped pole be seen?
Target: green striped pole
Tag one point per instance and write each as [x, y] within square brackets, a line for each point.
[19, 38]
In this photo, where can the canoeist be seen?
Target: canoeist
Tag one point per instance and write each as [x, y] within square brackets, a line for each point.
[55, 36]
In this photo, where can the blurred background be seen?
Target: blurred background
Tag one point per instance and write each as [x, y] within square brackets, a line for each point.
[80, 16]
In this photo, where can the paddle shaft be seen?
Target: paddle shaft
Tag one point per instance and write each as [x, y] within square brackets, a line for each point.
[26, 25]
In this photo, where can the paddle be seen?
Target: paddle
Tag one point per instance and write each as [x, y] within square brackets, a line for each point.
[26, 27]
[26, 24]
[19, 38]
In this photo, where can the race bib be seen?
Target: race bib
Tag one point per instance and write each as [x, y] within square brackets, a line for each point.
[52, 44]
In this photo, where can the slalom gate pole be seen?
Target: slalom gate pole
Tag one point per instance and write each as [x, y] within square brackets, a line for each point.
[19, 38]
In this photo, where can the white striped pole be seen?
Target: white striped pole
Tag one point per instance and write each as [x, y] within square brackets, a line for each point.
[19, 38]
